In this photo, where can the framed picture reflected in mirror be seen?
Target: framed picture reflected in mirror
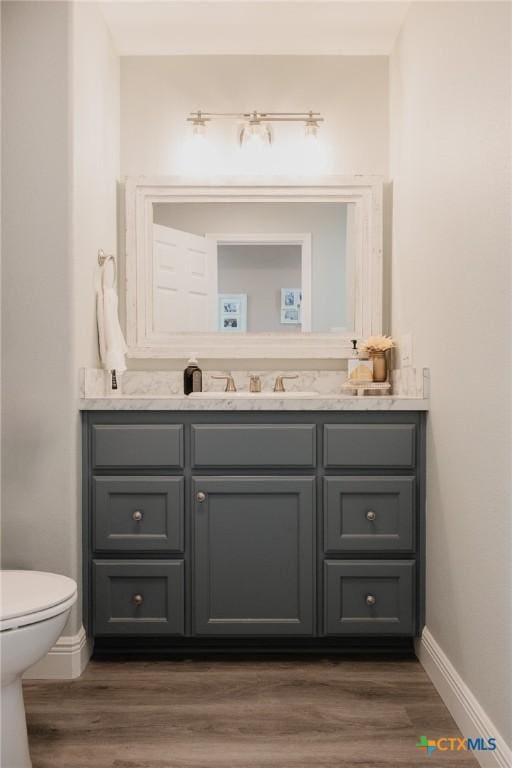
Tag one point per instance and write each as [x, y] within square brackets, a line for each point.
[233, 312]
[291, 304]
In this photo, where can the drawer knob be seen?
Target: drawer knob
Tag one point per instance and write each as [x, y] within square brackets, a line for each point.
[370, 515]
[201, 496]
[371, 599]
[137, 516]
[137, 600]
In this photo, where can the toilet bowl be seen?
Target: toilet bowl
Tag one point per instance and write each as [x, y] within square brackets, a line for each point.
[34, 607]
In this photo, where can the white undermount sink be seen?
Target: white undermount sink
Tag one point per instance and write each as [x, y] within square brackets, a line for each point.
[250, 395]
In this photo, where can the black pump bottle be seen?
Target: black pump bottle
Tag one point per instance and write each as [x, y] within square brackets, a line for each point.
[192, 377]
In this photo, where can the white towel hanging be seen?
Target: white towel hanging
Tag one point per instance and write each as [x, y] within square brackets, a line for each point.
[110, 336]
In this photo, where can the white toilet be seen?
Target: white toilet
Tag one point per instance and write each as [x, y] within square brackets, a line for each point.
[34, 608]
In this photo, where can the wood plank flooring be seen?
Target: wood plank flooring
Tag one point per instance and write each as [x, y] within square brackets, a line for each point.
[240, 714]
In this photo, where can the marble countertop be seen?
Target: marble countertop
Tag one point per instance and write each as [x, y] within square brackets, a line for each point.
[256, 402]
[309, 390]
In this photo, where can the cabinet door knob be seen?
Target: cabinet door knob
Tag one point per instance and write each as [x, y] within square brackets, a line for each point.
[370, 515]
[371, 599]
[137, 599]
[137, 516]
[201, 496]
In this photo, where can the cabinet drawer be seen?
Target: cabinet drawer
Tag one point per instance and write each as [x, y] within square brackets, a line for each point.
[137, 445]
[368, 514]
[253, 445]
[369, 445]
[138, 514]
[365, 597]
[138, 597]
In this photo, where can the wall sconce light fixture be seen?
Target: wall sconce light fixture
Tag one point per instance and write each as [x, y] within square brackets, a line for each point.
[255, 126]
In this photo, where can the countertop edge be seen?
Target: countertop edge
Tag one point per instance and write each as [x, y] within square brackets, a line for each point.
[322, 403]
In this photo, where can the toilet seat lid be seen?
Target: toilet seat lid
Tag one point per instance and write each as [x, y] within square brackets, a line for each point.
[23, 593]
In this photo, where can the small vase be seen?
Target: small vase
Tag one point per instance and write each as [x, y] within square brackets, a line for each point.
[380, 366]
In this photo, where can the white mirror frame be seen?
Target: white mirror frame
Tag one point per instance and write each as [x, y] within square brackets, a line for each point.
[364, 265]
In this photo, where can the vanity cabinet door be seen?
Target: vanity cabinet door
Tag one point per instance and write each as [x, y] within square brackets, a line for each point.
[254, 556]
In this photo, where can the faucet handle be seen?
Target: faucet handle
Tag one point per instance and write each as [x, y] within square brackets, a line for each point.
[279, 385]
[254, 383]
[230, 382]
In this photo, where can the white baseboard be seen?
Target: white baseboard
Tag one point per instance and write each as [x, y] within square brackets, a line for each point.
[465, 709]
[67, 659]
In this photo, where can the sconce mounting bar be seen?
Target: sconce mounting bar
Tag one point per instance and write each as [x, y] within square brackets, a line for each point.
[200, 117]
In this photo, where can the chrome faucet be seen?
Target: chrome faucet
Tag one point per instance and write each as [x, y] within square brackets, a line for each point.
[279, 384]
[230, 382]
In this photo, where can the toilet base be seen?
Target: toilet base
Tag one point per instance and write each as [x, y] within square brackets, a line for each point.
[35, 608]
[14, 749]
[20, 648]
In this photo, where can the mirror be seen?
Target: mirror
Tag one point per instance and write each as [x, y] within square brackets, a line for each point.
[254, 271]
[274, 268]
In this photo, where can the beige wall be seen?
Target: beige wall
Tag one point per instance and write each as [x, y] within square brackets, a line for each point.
[158, 92]
[450, 112]
[60, 149]
[260, 271]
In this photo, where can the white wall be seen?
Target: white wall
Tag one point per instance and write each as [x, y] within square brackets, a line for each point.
[60, 146]
[157, 93]
[450, 139]
[95, 164]
[39, 470]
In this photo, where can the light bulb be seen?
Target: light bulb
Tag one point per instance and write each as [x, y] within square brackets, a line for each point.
[311, 130]
[199, 129]
[255, 132]
[197, 156]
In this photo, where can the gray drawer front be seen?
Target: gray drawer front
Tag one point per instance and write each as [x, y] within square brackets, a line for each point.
[160, 584]
[369, 445]
[137, 445]
[349, 585]
[138, 514]
[254, 445]
[368, 514]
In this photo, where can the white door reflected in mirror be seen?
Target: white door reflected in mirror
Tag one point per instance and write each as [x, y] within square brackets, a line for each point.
[184, 281]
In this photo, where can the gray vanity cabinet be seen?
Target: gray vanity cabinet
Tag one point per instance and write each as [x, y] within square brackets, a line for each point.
[254, 555]
[253, 529]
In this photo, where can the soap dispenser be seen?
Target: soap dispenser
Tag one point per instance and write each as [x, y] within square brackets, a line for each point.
[359, 368]
[192, 377]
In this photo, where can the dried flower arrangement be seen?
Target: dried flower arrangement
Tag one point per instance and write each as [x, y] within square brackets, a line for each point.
[377, 344]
